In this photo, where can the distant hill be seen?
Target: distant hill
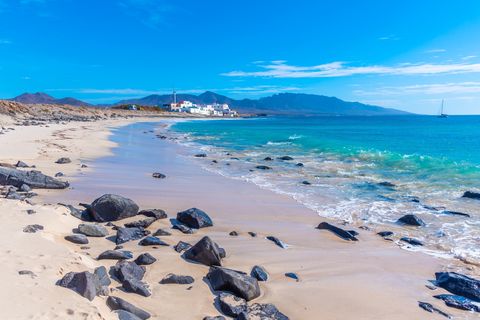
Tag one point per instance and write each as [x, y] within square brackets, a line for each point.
[282, 103]
[43, 98]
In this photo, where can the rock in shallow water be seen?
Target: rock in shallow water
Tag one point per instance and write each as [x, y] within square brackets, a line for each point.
[411, 220]
[110, 207]
[412, 241]
[158, 175]
[237, 282]
[471, 195]
[459, 284]
[194, 218]
[115, 303]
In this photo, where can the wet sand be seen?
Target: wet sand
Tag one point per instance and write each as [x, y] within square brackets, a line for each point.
[371, 279]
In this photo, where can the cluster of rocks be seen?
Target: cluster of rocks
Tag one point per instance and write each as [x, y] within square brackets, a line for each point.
[234, 289]
[464, 293]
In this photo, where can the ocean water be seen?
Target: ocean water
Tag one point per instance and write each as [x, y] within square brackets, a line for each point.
[362, 170]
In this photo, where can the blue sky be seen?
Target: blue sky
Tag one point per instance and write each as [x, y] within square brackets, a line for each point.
[403, 54]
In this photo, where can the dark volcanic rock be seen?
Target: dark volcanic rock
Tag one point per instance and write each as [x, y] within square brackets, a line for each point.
[158, 175]
[285, 158]
[63, 160]
[292, 275]
[344, 234]
[387, 184]
[110, 207]
[145, 259]
[21, 164]
[458, 302]
[182, 246]
[128, 269]
[161, 232]
[183, 228]
[115, 303]
[83, 215]
[259, 273]
[205, 252]
[231, 305]
[233, 233]
[252, 234]
[32, 228]
[115, 255]
[455, 213]
[299, 164]
[201, 155]
[263, 312]
[214, 318]
[412, 241]
[125, 315]
[263, 167]
[411, 220]
[92, 230]
[144, 223]
[136, 286]
[305, 182]
[34, 179]
[384, 234]
[177, 279]
[430, 308]
[268, 159]
[239, 283]
[128, 234]
[59, 174]
[459, 284]
[86, 284]
[152, 241]
[77, 238]
[194, 218]
[154, 213]
[471, 195]
[277, 241]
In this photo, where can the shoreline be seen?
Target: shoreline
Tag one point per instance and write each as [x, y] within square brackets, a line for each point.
[331, 271]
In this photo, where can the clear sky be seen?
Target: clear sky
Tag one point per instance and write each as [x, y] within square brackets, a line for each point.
[403, 54]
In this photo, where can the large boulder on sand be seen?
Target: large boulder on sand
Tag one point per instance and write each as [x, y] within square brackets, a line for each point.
[33, 179]
[111, 207]
[128, 234]
[128, 269]
[194, 218]
[205, 252]
[236, 282]
[85, 283]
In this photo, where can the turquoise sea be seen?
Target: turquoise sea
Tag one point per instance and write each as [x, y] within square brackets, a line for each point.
[427, 162]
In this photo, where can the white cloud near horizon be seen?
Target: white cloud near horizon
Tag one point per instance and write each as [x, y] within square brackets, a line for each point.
[436, 51]
[280, 69]
[436, 88]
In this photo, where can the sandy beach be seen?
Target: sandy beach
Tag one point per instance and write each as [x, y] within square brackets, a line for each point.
[368, 279]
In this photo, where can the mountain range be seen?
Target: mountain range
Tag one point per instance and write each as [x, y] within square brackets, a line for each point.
[281, 104]
[43, 98]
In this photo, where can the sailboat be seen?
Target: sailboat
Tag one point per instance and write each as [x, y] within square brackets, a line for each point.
[442, 115]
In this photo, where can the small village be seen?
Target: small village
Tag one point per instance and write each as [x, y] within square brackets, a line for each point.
[214, 109]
